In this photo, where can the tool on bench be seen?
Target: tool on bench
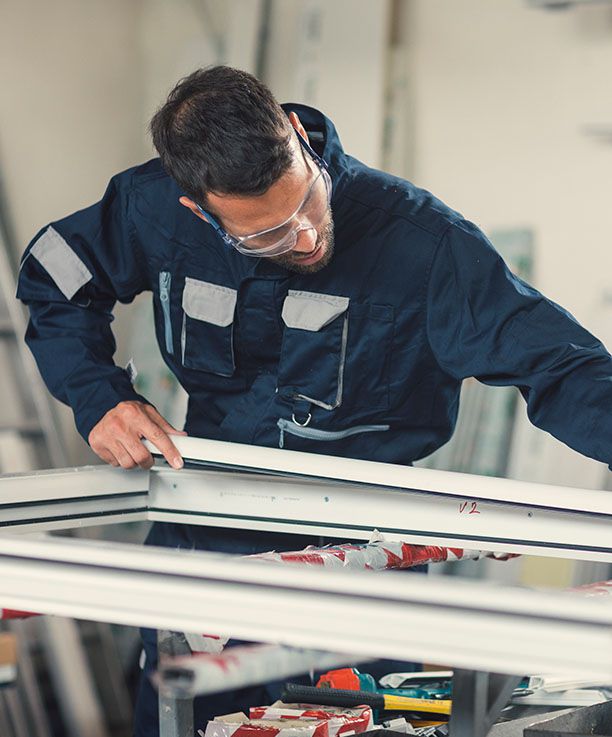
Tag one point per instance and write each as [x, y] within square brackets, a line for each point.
[425, 685]
[295, 693]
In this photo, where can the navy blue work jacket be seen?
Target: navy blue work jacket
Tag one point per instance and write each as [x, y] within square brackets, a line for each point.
[363, 359]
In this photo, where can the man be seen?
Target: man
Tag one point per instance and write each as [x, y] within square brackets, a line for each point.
[302, 299]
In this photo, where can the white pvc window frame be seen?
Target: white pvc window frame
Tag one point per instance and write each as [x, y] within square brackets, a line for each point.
[472, 625]
[287, 491]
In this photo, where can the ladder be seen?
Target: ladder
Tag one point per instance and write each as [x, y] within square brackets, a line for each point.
[48, 646]
[28, 422]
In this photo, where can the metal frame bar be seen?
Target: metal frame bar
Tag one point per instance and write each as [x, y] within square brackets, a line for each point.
[478, 699]
[74, 497]
[353, 511]
[242, 486]
[269, 488]
[175, 711]
[238, 456]
[471, 624]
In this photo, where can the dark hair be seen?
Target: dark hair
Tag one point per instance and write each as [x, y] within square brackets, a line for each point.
[221, 130]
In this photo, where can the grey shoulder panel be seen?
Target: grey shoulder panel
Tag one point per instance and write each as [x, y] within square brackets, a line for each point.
[61, 263]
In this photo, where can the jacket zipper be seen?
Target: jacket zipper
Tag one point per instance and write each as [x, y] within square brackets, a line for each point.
[165, 278]
[288, 426]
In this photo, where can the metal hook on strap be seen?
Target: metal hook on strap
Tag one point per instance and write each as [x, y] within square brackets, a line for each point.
[302, 424]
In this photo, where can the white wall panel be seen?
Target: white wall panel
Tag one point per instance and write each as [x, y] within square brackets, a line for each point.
[503, 93]
[332, 55]
[70, 112]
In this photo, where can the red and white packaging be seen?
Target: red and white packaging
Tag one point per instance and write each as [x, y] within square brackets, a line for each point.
[376, 555]
[239, 725]
[340, 720]
[16, 614]
[212, 644]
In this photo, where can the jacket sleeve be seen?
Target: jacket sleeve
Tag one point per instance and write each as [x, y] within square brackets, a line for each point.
[485, 322]
[70, 278]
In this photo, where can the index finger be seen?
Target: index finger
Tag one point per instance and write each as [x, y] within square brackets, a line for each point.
[162, 442]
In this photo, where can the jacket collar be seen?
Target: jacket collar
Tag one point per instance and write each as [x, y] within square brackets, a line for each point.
[325, 141]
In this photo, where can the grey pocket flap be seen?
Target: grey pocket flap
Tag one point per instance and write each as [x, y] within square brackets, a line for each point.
[209, 302]
[312, 311]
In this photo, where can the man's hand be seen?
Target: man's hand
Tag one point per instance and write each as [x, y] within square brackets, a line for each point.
[117, 437]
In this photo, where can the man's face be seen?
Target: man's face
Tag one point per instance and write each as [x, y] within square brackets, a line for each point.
[242, 216]
[317, 259]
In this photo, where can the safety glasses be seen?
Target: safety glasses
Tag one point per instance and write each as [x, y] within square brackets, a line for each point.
[282, 238]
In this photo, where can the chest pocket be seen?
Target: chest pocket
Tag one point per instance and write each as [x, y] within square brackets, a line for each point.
[335, 351]
[207, 341]
[313, 352]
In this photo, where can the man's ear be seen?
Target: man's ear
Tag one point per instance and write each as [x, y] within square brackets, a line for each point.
[191, 205]
[297, 124]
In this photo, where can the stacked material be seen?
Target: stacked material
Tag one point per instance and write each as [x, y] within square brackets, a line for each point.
[376, 555]
[339, 720]
[291, 720]
[238, 725]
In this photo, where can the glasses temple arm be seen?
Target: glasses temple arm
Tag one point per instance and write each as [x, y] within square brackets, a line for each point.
[320, 161]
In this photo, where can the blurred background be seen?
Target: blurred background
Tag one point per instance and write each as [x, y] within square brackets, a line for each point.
[503, 109]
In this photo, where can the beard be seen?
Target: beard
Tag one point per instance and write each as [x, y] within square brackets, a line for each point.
[325, 240]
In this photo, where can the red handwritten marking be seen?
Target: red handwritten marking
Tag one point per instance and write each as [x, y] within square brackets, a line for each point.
[473, 508]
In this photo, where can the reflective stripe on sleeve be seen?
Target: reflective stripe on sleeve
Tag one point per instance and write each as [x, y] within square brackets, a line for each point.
[61, 263]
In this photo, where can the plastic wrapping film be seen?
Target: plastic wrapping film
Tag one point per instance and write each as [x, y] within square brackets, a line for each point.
[376, 555]
[205, 644]
[188, 675]
[599, 589]
[340, 721]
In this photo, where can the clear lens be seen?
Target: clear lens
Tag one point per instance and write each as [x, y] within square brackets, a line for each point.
[317, 200]
[276, 249]
[282, 239]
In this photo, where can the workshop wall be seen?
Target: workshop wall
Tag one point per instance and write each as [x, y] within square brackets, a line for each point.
[70, 112]
[489, 105]
[506, 100]
[333, 56]
[70, 109]
[79, 84]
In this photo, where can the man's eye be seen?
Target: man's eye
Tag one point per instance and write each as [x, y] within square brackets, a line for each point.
[316, 195]
[269, 239]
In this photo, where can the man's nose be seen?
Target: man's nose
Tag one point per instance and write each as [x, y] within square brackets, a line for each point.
[306, 240]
